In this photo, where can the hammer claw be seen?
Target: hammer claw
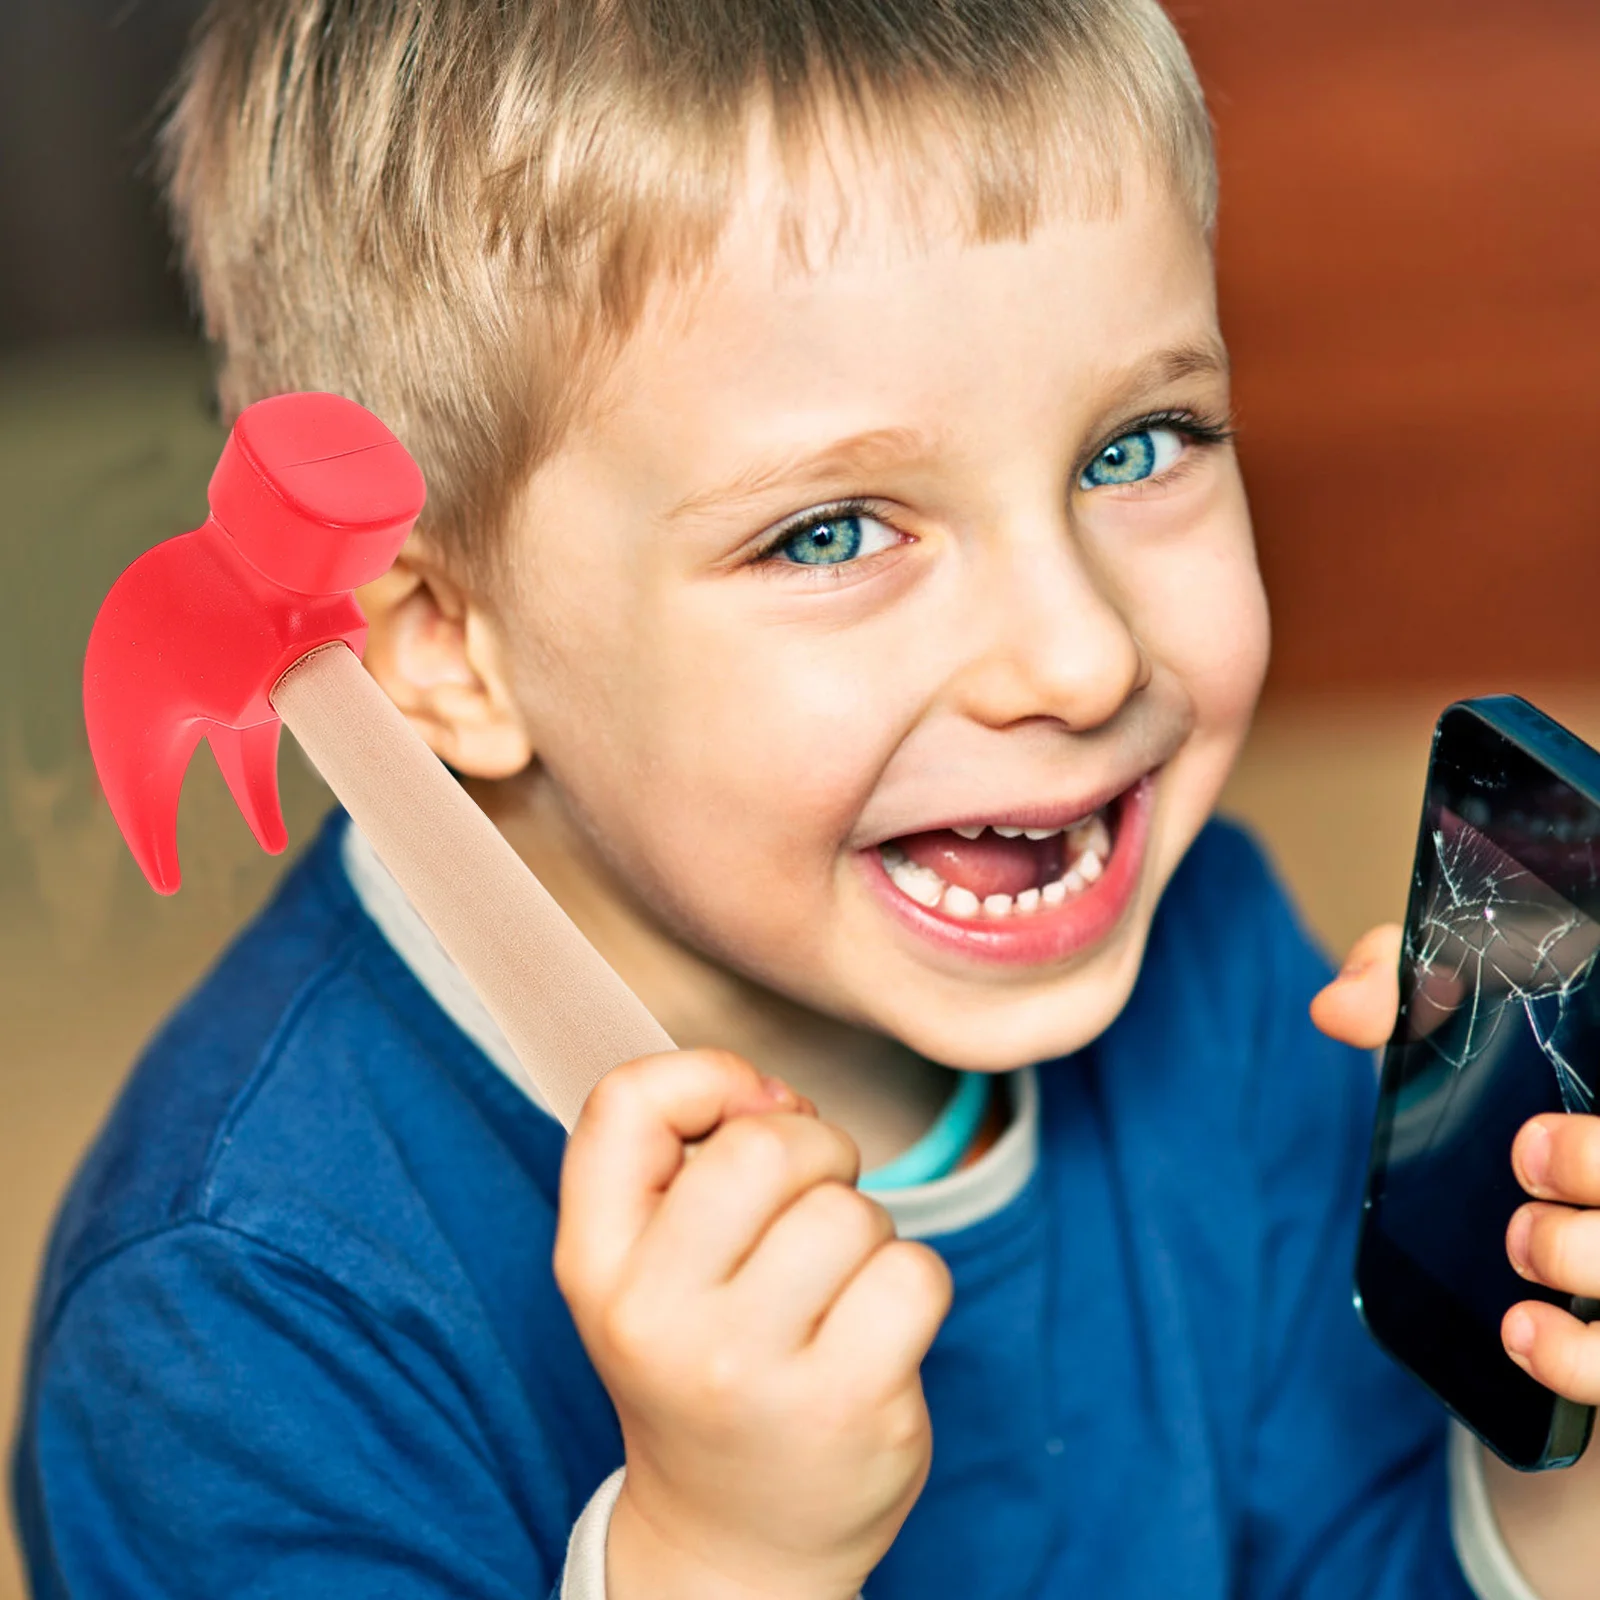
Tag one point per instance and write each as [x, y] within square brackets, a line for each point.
[142, 778]
[248, 758]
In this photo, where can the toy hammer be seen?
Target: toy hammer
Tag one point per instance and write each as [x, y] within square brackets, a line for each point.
[248, 623]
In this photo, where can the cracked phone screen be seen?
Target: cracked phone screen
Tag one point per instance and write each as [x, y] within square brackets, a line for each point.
[1500, 1022]
[1497, 947]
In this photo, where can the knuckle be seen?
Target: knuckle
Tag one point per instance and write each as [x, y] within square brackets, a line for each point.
[1561, 1365]
[753, 1144]
[1582, 1135]
[616, 1089]
[723, 1062]
[722, 1378]
[843, 1211]
[799, 1148]
[911, 1282]
[874, 1219]
[825, 1152]
[845, 1151]
[905, 1420]
[924, 1271]
[932, 1288]
[630, 1329]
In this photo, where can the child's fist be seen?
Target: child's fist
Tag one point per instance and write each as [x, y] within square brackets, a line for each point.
[758, 1326]
[1556, 1159]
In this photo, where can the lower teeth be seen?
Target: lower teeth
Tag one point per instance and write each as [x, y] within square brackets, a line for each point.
[927, 888]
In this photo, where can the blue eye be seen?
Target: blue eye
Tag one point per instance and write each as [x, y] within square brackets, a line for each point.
[1133, 458]
[832, 540]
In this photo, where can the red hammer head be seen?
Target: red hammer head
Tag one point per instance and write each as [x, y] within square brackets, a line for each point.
[313, 496]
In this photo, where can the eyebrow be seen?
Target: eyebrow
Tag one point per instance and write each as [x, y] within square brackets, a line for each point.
[875, 449]
[881, 448]
[1205, 359]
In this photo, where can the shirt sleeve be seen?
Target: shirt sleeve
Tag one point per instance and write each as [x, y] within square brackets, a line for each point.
[584, 1577]
[1488, 1564]
[211, 1417]
[1346, 1490]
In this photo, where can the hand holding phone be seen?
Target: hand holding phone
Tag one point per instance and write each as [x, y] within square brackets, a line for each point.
[1499, 1022]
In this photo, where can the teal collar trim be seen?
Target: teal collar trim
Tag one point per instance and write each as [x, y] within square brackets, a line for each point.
[939, 1151]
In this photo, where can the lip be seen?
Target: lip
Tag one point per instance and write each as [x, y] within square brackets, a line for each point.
[1041, 936]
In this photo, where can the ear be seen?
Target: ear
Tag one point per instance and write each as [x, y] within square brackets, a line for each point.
[438, 654]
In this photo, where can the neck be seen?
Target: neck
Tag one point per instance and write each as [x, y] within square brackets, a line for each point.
[879, 1092]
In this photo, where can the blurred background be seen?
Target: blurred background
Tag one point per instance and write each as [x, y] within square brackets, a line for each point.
[1410, 269]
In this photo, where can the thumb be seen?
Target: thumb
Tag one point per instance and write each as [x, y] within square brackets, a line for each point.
[1360, 1006]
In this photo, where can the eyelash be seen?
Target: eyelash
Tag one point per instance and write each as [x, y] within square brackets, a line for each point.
[1201, 431]
[1204, 431]
[838, 511]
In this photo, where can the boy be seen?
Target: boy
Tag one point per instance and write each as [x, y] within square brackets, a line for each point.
[837, 584]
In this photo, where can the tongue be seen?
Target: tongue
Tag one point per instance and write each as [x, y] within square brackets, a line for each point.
[988, 864]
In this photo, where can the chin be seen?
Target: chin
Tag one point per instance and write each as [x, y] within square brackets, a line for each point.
[998, 1031]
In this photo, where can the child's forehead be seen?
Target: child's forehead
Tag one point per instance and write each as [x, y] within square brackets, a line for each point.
[858, 260]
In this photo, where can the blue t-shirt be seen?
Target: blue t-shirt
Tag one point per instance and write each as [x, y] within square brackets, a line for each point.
[298, 1334]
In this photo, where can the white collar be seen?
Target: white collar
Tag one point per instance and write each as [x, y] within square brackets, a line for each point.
[943, 1206]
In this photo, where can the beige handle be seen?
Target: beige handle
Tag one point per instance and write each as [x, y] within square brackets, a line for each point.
[566, 1014]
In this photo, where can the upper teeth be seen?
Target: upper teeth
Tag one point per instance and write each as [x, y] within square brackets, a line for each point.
[1009, 830]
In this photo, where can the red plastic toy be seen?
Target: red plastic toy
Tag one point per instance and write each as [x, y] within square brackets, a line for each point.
[312, 497]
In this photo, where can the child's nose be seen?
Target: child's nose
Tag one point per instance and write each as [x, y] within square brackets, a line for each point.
[1047, 640]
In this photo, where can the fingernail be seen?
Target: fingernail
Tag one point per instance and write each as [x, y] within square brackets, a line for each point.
[778, 1090]
[1355, 967]
[1517, 1239]
[1535, 1154]
[1518, 1332]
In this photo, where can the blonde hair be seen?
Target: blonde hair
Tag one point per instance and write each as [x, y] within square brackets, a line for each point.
[445, 208]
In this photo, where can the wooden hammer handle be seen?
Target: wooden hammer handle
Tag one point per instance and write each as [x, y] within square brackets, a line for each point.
[566, 1014]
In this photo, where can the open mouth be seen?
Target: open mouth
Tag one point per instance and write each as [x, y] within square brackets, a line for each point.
[998, 870]
[1008, 892]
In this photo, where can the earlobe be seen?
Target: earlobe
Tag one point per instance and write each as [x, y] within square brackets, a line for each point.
[436, 654]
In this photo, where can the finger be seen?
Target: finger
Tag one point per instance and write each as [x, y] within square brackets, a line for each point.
[1360, 1005]
[1556, 1246]
[1557, 1157]
[880, 1327]
[627, 1146]
[719, 1206]
[1555, 1348]
[804, 1260]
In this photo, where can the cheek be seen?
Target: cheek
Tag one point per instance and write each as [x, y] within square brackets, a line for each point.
[733, 794]
[1199, 608]
[779, 736]
[1220, 645]
[710, 752]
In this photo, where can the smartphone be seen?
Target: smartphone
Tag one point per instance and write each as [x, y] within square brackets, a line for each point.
[1499, 1021]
